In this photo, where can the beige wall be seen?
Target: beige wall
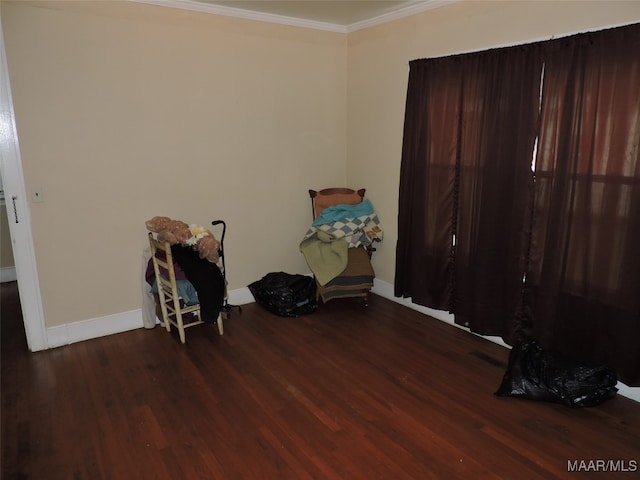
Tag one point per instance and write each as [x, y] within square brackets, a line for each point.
[125, 111]
[378, 68]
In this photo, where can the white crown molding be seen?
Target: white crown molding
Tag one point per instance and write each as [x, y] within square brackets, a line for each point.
[196, 6]
[245, 14]
[398, 14]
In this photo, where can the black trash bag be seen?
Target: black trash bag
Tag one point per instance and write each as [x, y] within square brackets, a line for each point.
[535, 374]
[285, 294]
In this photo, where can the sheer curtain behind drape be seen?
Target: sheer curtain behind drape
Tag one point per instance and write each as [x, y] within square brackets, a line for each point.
[585, 266]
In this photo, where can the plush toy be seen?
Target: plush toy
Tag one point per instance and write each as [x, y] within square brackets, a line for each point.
[209, 247]
[157, 224]
[180, 230]
[176, 232]
[167, 236]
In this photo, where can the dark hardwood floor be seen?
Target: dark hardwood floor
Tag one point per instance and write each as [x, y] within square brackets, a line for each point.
[344, 393]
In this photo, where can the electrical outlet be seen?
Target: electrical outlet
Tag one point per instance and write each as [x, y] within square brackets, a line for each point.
[37, 195]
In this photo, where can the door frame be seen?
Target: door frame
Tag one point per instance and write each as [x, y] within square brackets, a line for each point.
[18, 214]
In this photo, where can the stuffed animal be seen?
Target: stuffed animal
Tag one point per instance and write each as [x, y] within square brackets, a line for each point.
[180, 230]
[177, 232]
[157, 224]
[209, 247]
[167, 236]
[168, 230]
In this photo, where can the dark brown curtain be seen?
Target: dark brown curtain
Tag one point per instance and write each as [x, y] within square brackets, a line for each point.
[585, 264]
[466, 178]
[495, 187]
[474, 220]
[427, 180]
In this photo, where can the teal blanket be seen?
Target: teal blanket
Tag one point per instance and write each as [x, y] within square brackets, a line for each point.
[340, 212]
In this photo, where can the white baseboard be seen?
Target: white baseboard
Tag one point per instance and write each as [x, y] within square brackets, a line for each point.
[93, 328]
[241, 296]
[117, 323]
[385, 289]
[8, 274]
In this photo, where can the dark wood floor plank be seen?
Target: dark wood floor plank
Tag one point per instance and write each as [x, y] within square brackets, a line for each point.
[345, 393]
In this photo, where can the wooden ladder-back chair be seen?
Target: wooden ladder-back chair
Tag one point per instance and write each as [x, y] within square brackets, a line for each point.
[357, 278]
[174, 310]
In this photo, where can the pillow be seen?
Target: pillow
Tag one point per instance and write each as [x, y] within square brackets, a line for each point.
[323, 201]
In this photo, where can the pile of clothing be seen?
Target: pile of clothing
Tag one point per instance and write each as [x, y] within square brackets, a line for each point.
[326, 244]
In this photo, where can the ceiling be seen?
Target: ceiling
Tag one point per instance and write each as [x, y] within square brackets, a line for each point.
[339, 15]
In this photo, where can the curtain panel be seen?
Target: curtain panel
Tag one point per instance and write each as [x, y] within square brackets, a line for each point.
[428, 172]
[475, 221]
[466, 185]
[584, 274]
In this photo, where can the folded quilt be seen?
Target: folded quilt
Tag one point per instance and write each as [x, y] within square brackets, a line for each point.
[337, 229]
[363, 230]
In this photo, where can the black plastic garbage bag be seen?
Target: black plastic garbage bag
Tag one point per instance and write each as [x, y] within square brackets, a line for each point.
[285, 294]
[535, 374]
